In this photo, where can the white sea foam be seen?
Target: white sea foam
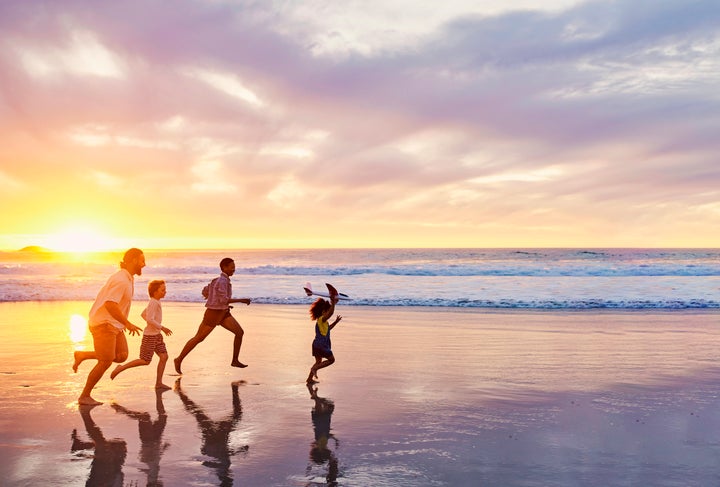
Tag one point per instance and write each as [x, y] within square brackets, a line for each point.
[487, 278]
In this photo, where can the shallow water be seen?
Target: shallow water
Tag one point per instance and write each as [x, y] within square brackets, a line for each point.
[421, 396]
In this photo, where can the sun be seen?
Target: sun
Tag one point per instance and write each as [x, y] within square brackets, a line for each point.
[79, 239]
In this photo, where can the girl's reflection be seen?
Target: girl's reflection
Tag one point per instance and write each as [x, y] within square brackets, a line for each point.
[216, 434]
[151, 444]
[320, 453]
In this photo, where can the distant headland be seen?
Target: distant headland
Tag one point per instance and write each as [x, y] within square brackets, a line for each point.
[36, 249]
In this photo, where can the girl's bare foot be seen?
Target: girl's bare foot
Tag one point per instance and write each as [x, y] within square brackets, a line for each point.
[88, 401]
[162, 387]
[236, 363]
[115, 372]
[177, 363]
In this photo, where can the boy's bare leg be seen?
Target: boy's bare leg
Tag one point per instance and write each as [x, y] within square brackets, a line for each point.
[160, 371]
[135, 363]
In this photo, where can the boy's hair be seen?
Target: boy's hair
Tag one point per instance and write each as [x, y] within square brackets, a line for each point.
[318, 308]
[153, 286]
[226, 262]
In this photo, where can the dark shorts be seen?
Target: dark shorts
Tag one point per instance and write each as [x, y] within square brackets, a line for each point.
[151, 344]
[214, 317]
[321, 348]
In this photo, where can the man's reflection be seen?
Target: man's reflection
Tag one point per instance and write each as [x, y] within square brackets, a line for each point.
[109, 455]
[151, 444]
[320, 453]
[216, 434]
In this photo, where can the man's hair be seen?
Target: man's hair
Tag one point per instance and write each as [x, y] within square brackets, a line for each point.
[226, 262]
[153, 286]
[131, 254]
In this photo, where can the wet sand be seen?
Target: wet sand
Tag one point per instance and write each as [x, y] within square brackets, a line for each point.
[418, 396]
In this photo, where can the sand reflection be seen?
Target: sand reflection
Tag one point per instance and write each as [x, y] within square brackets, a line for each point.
[216, 434]
[322, 457]
[78, 328]
[108, 457]
[151, 442]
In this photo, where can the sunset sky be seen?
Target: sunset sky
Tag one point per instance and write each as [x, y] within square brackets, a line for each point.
[393, 123]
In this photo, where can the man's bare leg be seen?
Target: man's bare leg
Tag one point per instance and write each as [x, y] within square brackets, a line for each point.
[92, 379]
[79, 357]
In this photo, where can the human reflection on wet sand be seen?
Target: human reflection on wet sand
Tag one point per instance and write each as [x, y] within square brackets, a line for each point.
[320, 453]
[108, 457]
[216, 434]
[151, 444]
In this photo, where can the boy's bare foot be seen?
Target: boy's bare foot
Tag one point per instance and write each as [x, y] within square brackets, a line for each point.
[177, 363]
[238, 364]
[162, 387]
[88, 401]
[77, 361]
[115, 372]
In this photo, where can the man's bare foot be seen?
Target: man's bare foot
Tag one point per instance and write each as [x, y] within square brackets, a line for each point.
[177, 363]
[238, 364]
[88, 401]
[115, 372]
[162, 387]
[77, 361]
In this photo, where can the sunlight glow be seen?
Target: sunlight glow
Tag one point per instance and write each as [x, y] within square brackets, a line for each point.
[79, 240]
[78, 328]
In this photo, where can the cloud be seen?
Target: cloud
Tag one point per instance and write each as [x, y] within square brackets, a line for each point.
[585, 111]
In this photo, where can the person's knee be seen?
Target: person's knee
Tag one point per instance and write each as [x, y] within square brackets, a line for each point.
[330, 360]
[103, 364]
[163, 357]
[121, 357]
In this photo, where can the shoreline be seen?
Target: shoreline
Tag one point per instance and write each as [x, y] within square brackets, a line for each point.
[480, 309]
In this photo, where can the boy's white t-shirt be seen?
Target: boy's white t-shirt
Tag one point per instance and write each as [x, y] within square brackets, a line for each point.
[152, 314]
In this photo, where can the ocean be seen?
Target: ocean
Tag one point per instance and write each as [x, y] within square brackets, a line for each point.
[474, 278]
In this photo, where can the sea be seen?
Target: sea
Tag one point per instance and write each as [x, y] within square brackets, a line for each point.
[473, 278]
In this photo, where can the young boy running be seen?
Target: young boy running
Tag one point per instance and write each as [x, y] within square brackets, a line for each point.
[152, 340]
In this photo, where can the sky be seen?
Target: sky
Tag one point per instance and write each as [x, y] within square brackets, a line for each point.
[393, 123]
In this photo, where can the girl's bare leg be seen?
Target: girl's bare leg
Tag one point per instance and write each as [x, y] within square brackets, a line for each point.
[231, 324]
[202, 333]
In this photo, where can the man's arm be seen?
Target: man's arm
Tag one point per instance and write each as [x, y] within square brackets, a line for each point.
[114, 309]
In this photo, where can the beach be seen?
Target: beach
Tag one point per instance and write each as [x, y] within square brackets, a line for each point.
[418, 396]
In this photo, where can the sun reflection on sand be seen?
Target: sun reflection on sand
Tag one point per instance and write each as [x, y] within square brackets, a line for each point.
[78, 328]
